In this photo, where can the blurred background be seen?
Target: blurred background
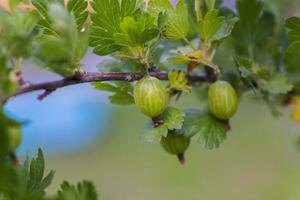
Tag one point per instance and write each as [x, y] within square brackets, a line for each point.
[85, 137]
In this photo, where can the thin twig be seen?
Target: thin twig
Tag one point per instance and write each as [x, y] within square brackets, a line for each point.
[87, 77]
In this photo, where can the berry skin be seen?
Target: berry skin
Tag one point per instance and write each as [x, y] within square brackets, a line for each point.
[150, 96]
[175, 144]
[222, 100]
[14, 138]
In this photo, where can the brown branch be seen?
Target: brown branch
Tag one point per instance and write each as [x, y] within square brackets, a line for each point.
[87, 77]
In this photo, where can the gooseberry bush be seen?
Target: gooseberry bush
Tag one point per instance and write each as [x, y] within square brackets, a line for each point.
[158, 52]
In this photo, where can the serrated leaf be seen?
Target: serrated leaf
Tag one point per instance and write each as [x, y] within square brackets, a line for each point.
[136, 33]
[178, 81]
[293, 24]
[210, 24]
[83, 191]
[79, 9]
[211, 131]
[278, 84]
[173, 118]
[154, 134]
[177, 26]
[106, 23]
[36, 181]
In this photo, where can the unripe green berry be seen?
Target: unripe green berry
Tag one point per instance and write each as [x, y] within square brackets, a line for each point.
[222, 100]
[175, 144]
[150, 96]
[14, 138]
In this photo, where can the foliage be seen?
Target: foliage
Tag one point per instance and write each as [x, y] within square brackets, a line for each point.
[187, 43]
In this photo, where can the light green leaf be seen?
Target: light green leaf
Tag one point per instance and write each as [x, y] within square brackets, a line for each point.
[173, 118]
[178, 81]
[79, 9]
[211, 131]
[225, 30]
[210, 24]
[278, 84]
[177, 26]
[154, 134]
[106, 23]
[210, 4]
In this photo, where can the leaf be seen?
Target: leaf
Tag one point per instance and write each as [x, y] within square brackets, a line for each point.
[210, 25]
[23, 183]
[83, 191]
[178, 81]
[225, 30]
[79, 9]
[278, 84]
[136, 33]
[177, 26]
[36, 182]
[106, 23]
[293, 24]
[210, 4]
[172, 118]
[122, 94]
[19, 33]
[61, 47]
[244, 67]
[211, 131]
[154, 134]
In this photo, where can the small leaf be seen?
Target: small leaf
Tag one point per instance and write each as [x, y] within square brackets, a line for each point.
[210, 25]
[177, 26]
[211, 131]
[173, 118]
[79, 8]
[83, 191]
[210, 4]
[278, 84]
[178, 81]
[293, 24]
[154, 134]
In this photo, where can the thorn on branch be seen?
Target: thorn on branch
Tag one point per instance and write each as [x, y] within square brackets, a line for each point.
[46, 93]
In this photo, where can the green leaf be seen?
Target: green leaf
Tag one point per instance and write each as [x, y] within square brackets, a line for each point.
[177, 26]
[37, 183]
[135, 33]
[122, 95]
[83, 191]
[211, 131]
[18, 33]
[278, 84]
[79, 9]
[172, 118]
[210, 24]
[225, 30]
[23, 184]
[293, 24]
[244, 67]
[210, 4]
[61, 47]
[154, 134]
[178, 81]
[292, 62]
[106, 23]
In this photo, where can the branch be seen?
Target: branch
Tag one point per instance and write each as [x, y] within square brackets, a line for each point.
[87, 77]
